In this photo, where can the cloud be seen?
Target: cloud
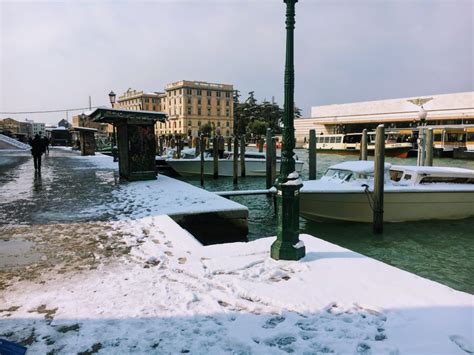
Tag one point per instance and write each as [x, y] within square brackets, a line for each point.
[55, 54]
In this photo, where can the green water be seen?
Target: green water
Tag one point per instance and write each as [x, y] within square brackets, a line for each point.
[442, 251]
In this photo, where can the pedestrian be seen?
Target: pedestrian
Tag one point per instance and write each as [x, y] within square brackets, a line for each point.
[46, 145]
[37, 150]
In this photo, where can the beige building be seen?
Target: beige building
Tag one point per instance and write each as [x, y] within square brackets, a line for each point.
[188, 104]
[446, 109]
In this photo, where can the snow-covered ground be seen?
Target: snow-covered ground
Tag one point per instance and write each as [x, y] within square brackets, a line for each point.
[142, 284]
[169, 294]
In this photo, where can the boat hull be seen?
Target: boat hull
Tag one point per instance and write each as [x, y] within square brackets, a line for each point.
[256, 167]
[398, 206]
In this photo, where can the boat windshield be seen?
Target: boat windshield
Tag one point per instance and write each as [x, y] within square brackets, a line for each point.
[344, 175]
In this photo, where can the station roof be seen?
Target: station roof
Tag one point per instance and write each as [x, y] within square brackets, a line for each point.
[114, 115]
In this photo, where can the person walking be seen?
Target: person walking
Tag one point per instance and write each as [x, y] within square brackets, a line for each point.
[46, 145]
[37, 150]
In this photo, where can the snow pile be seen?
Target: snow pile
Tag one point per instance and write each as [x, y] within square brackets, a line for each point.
[169, 294]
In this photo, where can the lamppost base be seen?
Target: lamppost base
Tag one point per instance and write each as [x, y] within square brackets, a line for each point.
[286, 251]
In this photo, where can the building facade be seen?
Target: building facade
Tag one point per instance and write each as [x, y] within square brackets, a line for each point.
[189, 105]
[446, 109]
[27, 128]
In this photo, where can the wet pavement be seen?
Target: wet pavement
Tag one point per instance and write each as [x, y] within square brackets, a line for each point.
[52, 220]
[67, 190]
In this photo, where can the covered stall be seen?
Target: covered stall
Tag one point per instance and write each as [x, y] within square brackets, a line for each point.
[136, 140]
[86, 139]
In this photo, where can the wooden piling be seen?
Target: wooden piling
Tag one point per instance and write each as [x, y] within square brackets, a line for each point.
[268, 157]
[429, 148]
[178, 147]
[379, 167]
[242, 156]
[236, 160]
[215, 155]
[202, 145]
[229, 144]
[260, 145]
[420, 160]
[312, 154]
[274, 159]
[197, 145]
[363, 146]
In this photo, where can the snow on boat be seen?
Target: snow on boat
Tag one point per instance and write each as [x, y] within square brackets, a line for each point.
[255, 165]
[412, 193]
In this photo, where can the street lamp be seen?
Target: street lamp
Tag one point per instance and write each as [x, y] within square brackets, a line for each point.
[288, 246]
[114, 132]
[422, 115]
[112, 98]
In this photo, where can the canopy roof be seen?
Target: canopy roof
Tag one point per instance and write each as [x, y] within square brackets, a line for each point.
[114, 115]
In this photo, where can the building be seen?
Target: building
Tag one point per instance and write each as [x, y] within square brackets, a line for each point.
[36, 127]
[84, 121]
[19, 129]
[188, 104]
[446, 109]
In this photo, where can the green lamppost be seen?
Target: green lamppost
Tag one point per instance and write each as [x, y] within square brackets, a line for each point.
[288, 246]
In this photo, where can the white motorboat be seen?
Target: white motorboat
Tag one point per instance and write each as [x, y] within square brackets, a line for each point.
[255, 165]
[411, 193]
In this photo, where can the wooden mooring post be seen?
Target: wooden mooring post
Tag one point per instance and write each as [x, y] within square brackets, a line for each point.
[420, 160]
[236, 159]
[215, 156]
[229, 144]
[268, 157]
[274, 160]
[202, 146]
[242, 156]
[363, 146]
[429, 148]
[379, 167]
[312, 154]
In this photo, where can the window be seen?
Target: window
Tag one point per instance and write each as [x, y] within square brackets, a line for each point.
[218, 123]
[227, 94]
[199, 123]
[189, 91]
[199, 111]
[218, 93]
[227, 112]
[227, 103]
[199, 101]
[189, 101]
[227, 124]
[189, 123]
[189, 110]
[209, 92]
[208, 111]
[154, 108]
[198, 92]
[209, 102]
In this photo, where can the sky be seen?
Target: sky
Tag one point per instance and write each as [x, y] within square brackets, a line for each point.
[55, 54]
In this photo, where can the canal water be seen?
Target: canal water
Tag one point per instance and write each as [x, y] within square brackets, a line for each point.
[442, 251]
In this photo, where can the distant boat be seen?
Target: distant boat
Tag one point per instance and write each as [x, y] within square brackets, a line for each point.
[350, 144]
[412, 193]
[255, 164]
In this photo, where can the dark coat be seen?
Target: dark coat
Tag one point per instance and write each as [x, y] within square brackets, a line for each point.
[37, 146]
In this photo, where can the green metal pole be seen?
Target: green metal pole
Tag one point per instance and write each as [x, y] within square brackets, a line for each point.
[288, 246]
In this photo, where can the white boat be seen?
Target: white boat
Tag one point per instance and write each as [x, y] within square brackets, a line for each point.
[255, 165]
[411, 193]
[350, 144]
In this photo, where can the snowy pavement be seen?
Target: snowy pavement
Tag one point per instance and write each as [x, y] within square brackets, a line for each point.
[169, 294]
[142, 284]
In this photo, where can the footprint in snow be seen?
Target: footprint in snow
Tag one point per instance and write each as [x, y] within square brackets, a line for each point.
[273, 322]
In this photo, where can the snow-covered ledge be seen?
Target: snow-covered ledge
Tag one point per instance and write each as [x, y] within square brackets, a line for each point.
[170, 295]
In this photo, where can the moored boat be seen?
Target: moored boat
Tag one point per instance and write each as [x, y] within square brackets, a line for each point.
[255, 165]
[350, 144]
[411, 193]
